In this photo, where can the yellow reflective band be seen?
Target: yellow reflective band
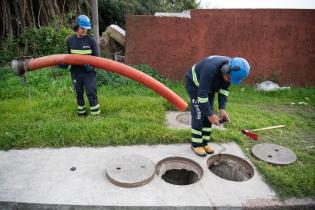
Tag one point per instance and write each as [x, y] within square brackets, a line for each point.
[81, 52]
[202, 100]
[96, 113]
[196, 140]
[224, 92]
[81, 107]
[95, 107]
[81, 112]
[196, 132]
[194, 76]
[206, 137]
[207, 129]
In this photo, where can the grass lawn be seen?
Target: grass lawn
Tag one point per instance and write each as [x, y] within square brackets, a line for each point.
[133, 114]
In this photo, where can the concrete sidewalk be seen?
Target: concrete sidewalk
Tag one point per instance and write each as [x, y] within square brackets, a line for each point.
[42, 179]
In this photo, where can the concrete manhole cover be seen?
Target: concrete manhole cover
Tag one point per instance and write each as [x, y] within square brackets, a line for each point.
[230, 167]
[184, 118]
[274, 154]
[179, 170]
[130, 171]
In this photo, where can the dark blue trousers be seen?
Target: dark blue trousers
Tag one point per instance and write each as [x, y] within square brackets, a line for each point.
[85, 80]
[200, 125]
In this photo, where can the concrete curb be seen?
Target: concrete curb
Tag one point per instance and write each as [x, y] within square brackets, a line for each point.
[290, 204]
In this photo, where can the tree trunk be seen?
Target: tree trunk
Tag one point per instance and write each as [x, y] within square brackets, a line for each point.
[17, 15]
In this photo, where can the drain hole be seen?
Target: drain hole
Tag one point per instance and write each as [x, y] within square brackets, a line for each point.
[230, 167]
[179, 171]
[276, 150]
[180, 177]
[118, 168]
[270, 156]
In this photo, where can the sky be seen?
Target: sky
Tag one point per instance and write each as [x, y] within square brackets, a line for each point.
[291, 4]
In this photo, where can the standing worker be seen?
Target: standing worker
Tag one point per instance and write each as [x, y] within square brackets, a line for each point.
[83, 77]
[203, 80]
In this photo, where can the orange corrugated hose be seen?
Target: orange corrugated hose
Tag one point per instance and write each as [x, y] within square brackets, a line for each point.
[109, 65]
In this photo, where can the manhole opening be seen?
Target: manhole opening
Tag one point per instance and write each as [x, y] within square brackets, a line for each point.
[230, 167]
[179, 171]
[184, 118]
[180, 177]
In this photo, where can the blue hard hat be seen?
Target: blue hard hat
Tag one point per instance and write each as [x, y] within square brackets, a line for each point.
[239, 70]
[84, 21]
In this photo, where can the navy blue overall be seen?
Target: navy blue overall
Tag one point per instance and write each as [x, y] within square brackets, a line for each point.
[203, 80]
[84, 77]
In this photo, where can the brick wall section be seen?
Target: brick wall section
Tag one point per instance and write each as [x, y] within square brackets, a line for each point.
[278, 43]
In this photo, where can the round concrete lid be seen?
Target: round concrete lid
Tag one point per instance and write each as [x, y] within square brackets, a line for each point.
[184, 118]
[130, 171]
[274, 154]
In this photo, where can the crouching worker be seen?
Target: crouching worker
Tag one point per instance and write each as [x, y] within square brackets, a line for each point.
[83, 77]
[203, 80]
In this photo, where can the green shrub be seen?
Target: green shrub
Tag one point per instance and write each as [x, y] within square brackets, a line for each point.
[9, 48]
[145, 68]
[36, 42]
[46, 40]
[108, 78]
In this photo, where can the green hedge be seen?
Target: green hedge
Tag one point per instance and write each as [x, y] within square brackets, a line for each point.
[36, 42]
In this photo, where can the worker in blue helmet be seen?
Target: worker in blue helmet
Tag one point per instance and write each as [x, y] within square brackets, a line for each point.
[212, 75]
[83, 77]
[84, 22]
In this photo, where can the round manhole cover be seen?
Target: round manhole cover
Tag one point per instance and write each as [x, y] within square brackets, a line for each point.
[184, 118]
[130, 171]
[179, 170]
[230, 167]
[274, 153]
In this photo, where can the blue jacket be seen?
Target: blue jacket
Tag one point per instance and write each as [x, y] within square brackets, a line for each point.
[208, 78]
[83, 46]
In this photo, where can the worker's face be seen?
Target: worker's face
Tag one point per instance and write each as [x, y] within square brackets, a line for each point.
[81, 32]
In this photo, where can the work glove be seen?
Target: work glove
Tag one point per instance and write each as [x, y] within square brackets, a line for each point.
[63, 66]
[88, 67]
[214, 119]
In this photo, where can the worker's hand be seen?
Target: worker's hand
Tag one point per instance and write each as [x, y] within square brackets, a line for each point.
[88, 67]
[214, 119]
[224, 116]
[63, 66]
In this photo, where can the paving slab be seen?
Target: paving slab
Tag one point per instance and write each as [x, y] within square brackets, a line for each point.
[43, 179]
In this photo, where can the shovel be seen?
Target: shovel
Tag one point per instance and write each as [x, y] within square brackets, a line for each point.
[254, 136]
